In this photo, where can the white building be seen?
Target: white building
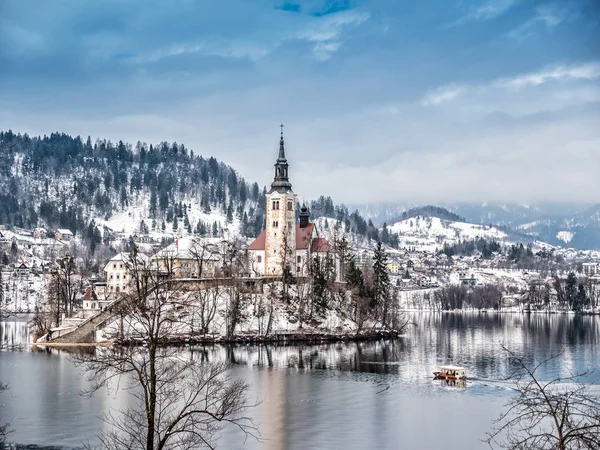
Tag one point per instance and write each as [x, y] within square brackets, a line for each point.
[188, 257]
[118, 274]
[285, 244]
[591, 269]
[62, 234]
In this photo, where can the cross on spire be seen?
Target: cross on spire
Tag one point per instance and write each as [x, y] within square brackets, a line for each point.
[281, 183]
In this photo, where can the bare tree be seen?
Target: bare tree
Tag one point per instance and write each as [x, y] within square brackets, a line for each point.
[205, 306]
[558, 414]
[68, 283]
[180, 403]
[201, 251]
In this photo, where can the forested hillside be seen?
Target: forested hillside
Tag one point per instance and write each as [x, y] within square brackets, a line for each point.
[63, 181]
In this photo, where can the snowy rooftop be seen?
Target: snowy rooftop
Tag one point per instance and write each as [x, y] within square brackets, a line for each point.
[191, 247]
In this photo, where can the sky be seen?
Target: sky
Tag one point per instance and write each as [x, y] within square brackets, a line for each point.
[383, 101]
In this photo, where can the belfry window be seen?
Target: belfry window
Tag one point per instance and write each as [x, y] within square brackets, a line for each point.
[275, 204]
[290, 206]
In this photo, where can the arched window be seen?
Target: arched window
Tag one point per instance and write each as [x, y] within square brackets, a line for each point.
[118, 289]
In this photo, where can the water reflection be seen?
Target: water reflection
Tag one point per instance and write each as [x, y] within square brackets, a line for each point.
[342, 395]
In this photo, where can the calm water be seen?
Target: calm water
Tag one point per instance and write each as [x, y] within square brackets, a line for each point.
[354, 396]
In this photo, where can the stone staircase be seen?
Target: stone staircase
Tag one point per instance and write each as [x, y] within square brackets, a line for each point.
[84, 333]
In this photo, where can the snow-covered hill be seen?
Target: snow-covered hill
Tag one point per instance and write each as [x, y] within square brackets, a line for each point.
[430, 233]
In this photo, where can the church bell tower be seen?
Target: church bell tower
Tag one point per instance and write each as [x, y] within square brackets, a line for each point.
[280, 239]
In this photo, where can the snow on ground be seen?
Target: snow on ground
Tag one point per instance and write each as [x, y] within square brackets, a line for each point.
[23, 292]
[129, 220]
[565, 236]
[284, 318]
[430, 233]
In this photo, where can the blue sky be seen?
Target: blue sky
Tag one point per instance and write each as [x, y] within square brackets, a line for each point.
[383, 101]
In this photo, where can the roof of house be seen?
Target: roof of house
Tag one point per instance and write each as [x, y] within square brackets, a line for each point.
[90, 294]
[64, 231]
[190, 247]
[126, 257]
[319, 245]
[303, 239]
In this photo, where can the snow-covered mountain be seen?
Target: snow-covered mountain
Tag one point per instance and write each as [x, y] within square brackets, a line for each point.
[580, 231]
[561, 224]
[431, 233]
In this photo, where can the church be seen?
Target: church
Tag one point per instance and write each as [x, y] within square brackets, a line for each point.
[285, 243]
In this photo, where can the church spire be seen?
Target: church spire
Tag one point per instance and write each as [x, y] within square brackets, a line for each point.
[281, 182]
[281, 156]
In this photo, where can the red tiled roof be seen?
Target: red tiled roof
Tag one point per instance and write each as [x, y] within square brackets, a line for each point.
[303, 238]
[304, 235]
[259, 242]
[319, 245]
[89, 294]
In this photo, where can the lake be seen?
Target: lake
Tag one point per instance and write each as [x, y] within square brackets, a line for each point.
[377, 395]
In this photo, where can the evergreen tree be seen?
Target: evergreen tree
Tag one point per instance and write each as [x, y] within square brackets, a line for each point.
[581, 299]
[381, 279]
[571, 290]
[175, 224]
[215, 229]
[153, 202]
[163, 227]
[1, 285]
[385, 234]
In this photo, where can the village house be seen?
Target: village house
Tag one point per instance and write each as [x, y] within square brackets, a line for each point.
[62, 234]
[393, 267]
[40, 233]
[363, 259]
[286, 245]
[590, 268]
[95, 299]
[117, 272]
[188, 257]
[22, 269]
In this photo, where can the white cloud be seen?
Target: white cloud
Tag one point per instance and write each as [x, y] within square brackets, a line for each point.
[485, 11]
[550, 14]
[325, 33]
[587, 71]
[444, 94]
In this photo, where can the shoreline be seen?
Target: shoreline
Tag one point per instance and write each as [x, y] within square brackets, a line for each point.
[277, 338]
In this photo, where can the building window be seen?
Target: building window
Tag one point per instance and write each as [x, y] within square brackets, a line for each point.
[111, 277]
[275, 204]
[259, 259]
[118, 276]
[275, 224]
[120, 266]
[299, 259]
[114, 266]
[290, 225]
[118, 288]
[291, 206]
